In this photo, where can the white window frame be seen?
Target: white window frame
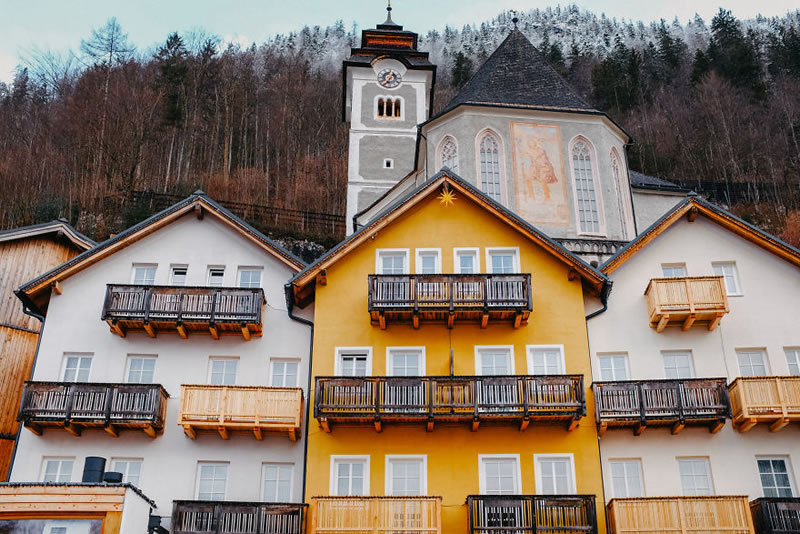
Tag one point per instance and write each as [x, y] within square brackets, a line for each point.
[79, 355]
[529, 356]
[114, 460]
[351, 351]
[349, 458]
[144, 266]
[172, 273]
[284, 360]
[482, 471]
[674, 266]
[762, 350]
[538, 472]
[440, 153]
[501, 154]
[437, 266]
[388, 163]
[211, 360]
[626, 362]
[689, 353]
[792, 353]
[243, 268]
[736, 278]
[215, 268]
[789, 470]
[59, 459]
[481, 348]
[392, 251]
[391, 350]
[475, 252]
[377, 117]
[513, 250]
[126, 377]
[263, 480]
[710, 473]
[640, 469]
[597, 184]
[197, 477]
[423, 475]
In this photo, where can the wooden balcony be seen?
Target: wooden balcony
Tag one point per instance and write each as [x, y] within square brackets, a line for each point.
[384, 515]
[518, 514]
[686, 302]
[186, 310]
[227, 409]
[675, 403]
[478, 298]
[214, 517]
[680, 515]
[75, 406]
[469, 399]
[773, 515]
[773, 400]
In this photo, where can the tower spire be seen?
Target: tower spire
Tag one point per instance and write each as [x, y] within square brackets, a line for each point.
[389, 21]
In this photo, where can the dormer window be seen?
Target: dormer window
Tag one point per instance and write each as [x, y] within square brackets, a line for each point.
[389, 107]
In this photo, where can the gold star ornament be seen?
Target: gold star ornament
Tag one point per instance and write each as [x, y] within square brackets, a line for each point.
[447, 197]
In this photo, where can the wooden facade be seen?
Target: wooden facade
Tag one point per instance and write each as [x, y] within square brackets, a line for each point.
[685, 302]
[772, 400]
[519, 514]
[681, 515]
[377, 515]
[776, 515]
[212, 517]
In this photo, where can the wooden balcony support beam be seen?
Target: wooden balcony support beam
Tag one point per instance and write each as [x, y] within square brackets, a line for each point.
[182, 331]
[382, 321]
[429, 425]
[292, 434]
[72, 429]
[415, 321]
[112, 430]
[602, 428]
[715, 322]
[323, 423]
[377, 424]
[517, 320]
[36, 429]
[638, 429]
[257, 433]
[149, 329]
[484, 320]
[523, 425]
[189, 431]
[688, 322]
[475, 424]
[451, 320]
[245, 332]
[677, 427]
[746, 425]
[212, 329]
[57, 287]
[573, 424]
[223, 432]
[777, 425]
[716, 426]
[117, 328]
[662, 324]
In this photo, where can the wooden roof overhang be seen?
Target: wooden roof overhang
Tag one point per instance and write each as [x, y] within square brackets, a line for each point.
[61, 228]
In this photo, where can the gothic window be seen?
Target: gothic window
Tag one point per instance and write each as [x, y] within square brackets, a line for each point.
[448, 154]
[585, 188]
[623, 194]
[489, 148]
[389, 108]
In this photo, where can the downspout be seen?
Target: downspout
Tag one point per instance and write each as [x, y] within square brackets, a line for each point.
[604, 293]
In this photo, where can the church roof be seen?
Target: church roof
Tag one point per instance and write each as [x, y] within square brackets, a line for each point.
[644, 181]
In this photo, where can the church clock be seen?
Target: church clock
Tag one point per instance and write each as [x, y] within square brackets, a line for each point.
[389, 78]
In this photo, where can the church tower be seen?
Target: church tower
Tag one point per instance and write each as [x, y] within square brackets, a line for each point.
[388, 90]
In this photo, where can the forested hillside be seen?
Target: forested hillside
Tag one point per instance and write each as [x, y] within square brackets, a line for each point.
[712, 105]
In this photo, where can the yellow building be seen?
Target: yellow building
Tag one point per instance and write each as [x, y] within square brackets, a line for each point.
[446, 400]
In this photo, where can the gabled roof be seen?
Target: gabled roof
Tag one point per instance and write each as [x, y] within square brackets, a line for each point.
[301, 286]
[35, 293]
[693, 206]
[60, 227]
[644, 181]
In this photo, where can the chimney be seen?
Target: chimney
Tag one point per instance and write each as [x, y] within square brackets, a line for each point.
[93, 469]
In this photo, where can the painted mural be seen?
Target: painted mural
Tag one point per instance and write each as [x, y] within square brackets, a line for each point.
[540, 185]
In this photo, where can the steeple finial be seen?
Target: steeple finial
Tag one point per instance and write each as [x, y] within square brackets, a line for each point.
[515, 19]
[389, 21]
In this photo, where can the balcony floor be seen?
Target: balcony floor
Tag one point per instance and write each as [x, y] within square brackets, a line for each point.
[153, 327]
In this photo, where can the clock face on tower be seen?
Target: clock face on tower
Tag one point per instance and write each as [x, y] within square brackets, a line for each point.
[389, 78]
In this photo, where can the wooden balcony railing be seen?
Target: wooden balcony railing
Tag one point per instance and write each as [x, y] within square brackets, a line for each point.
[187, 310]
[383, 515]
[518, 514]
[215, 517]
[680, 515]
[676, 403]
[774, 400]
[472, 399]
[226, 409]
[447, 297]
[74, 406]
[773, 515]
[699, 300]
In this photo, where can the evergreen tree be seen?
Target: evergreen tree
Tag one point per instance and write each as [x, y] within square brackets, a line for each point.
[734, 55]
[173, 67]
[462, 70]
[784, 52]
[701, 66]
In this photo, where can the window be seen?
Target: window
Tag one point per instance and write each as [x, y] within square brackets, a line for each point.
[448, 154]
[57, 469]
[141, 369]
[626, 478]
[793, 360]
[144, 275]
[216, 276]
[353, 361]
[623, 192]
[466, 261]
[277, 485]
[405, 361]
[674, 270]
[585, 191]
[283, 373]
[695, 476]
[678, 364]
[250, 278]
[775, 478]
[222, 371]
[349, 475]
[391, 261]
[212, 479]
[429, 261]
[77, 367]
[499, 475]
[489, 154]
[177, 276]
[728, 272]
[131, 469]
[752, 362]
[613, 366]
[406, 475]
[502, 260]
[555, 474]
[388, 163]
[494, 361]
[545, 360]
[389, 108]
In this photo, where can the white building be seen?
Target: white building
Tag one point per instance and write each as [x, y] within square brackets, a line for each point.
[180, 297]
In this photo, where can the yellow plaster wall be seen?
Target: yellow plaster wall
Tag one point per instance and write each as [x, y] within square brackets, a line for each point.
[452, 450]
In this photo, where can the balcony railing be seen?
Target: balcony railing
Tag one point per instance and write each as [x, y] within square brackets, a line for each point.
[446, 297]
[207, 517]
[686, 302]
[226, 409]
[186, 310]
[675, 403]
[680, 515]
[74, 406]
[519, 514]
[384, 515]
[472, 399]
[774, 400]
[773, 515]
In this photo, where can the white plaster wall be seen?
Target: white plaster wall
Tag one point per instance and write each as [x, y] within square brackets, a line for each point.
[135, 514]
[650, 206]
[170, 461]
[766, 316]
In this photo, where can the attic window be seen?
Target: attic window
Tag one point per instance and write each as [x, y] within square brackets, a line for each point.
[388, 163]
[389, 108]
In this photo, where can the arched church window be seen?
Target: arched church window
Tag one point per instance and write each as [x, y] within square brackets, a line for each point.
[448, 154]
[489, 148]
[623, 193]
[585, 188]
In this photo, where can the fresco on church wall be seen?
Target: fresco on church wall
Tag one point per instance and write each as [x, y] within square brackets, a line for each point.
[540, 185]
